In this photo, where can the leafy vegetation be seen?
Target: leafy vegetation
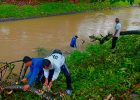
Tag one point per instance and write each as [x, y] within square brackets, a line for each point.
[99, 71]
[53, 8]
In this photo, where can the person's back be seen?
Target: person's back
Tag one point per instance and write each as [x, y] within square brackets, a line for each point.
[56, 59]
[73, 42]
[35, 68]
[118, 29]
[38, 61]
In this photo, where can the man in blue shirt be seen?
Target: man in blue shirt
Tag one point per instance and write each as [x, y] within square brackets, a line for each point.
[73, 42]
[36, 68]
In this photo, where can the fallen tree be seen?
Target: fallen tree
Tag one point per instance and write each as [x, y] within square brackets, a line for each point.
[103, 39]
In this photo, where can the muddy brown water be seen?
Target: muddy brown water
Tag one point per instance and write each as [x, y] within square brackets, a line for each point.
[20, 38]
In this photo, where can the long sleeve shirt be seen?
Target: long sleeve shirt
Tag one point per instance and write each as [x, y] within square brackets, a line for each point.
[57, 60]
[34, 70]
[73, 42]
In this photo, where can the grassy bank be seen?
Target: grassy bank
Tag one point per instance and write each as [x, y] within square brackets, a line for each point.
[45, 9]
[99, 71]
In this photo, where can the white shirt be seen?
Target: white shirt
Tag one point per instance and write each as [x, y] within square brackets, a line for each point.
[57, 60]
[118, 27]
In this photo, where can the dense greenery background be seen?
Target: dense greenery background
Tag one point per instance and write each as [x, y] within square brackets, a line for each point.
[55, 8]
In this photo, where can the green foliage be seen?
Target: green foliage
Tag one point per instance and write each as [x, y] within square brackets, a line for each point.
[98, 71]
[130, 1]
[53, 8]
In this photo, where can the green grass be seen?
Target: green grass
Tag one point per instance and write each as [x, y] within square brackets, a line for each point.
[137, 1]
[99, 71]
[42, 9]
[45, 9]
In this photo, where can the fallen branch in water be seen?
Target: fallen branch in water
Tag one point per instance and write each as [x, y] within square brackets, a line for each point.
[103, 39]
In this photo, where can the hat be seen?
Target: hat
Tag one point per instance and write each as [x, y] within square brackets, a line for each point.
[27, 59]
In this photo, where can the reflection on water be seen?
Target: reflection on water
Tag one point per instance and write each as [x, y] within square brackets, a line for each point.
[103, 22]
[20, 38]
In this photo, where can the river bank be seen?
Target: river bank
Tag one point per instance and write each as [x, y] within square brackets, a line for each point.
[98, 71]
[13, 12]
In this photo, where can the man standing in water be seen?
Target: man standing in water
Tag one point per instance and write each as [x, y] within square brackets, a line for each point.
[117, 33]
[52, 66]
[73, 42]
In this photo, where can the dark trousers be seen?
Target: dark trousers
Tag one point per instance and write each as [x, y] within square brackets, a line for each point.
[40, 78]
[64, 69]
[114, 41]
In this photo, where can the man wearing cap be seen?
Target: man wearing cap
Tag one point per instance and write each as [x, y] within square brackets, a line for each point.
[52, 65]
[36, 71]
